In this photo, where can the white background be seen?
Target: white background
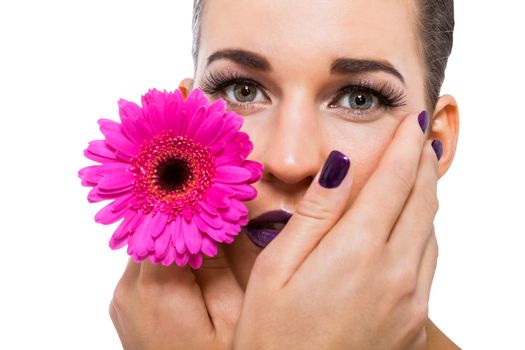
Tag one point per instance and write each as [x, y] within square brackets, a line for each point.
[64, 64]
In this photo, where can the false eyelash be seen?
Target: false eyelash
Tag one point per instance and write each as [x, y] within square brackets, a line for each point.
[215, 82]
[388, 95]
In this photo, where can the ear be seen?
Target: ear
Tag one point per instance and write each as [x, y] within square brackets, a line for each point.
[185, 86]
[445, 127]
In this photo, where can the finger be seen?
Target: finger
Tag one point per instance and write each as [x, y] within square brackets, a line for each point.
[427, 268]
[381, 200]
[131, 272]
[221, 292]
[181, 282]
[316, 213]
[117, 322]
[412, 230]
[419, 342]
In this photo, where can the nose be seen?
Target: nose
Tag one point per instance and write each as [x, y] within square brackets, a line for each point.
[293, 146]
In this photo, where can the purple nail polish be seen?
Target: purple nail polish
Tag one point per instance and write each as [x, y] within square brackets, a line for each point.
[334, 170]
[438, 148]
[423, 121]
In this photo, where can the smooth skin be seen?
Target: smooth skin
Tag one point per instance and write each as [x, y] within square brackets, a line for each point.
[353, 268]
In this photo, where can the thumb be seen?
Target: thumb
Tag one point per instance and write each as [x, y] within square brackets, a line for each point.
[317, 212]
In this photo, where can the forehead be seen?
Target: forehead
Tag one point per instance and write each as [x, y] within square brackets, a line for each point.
[315, 32]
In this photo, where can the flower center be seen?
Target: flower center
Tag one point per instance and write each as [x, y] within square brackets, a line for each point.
[171, 174]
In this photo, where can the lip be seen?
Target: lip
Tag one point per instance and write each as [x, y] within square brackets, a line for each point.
[274, 216]
[264, 228]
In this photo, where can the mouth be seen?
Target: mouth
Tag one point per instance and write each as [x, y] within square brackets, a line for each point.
[264, 228]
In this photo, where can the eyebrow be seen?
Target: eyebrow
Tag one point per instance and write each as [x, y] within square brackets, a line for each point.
[339, 66]
[245, 58]
[353, 66]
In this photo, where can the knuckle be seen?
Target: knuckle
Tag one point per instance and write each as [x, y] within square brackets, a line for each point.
[404, 175]
[120, 297]
[112, 312]
[436, 246]
[314, 207]
[404, 281]
[430, 201]
[419, 313]
[420, 342]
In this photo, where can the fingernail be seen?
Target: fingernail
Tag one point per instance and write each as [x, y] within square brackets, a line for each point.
[438, 148]
[423, 121]
[334, 170]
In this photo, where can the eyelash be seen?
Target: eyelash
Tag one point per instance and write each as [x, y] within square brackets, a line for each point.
[389, 96]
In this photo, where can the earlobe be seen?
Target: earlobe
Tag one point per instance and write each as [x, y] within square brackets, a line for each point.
[445, 127]
[185, 86]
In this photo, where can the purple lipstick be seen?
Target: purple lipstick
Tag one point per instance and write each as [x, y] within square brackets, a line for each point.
[264, 228]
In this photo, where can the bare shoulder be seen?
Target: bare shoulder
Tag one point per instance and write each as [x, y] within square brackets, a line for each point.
[436, 339]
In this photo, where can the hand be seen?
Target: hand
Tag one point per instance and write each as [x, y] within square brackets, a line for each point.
[158, 307]
[358, 279]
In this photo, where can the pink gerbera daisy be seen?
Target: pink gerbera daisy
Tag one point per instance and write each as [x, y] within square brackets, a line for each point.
[177, 171]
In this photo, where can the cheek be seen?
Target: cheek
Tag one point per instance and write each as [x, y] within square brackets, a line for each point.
[364, 144]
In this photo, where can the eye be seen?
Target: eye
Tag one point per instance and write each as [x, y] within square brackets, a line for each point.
[244, 92]
[358, 100]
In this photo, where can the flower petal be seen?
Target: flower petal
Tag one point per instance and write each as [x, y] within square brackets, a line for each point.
[217, 198]
[121, 234]
[107, 216]
[228, 159]
[101, 149]
[213, 221]
[244, 192]
[123, 229]
[240, 207]
[182, 259]
[113, 193]
[195, 261]
[122, 202]
[173, 111]
[158, 224]
[255, 168]
[196, 121]
[226, 189]
[170, 256]
[208, 208]
[175, 229]
[142, 242]
[89, 175]
[194, 100]
[192, 236]
[112, 167]
[232, 174]
[206, 229]
[108, 125]
[163, 244]
[209, 247]
[231, 214]
[94, 196]
[218, 106]
[210, 129]
[116, 180]
[121, 143]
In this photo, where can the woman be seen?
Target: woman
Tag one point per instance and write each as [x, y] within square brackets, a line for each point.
[353, 266]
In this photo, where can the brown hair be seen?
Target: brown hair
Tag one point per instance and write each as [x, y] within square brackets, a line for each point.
[435, 29]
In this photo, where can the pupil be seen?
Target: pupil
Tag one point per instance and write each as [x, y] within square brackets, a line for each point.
[244, 93]
[360, 100]
[173, 173]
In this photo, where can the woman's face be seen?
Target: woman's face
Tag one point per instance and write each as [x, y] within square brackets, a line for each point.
[302, 63]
